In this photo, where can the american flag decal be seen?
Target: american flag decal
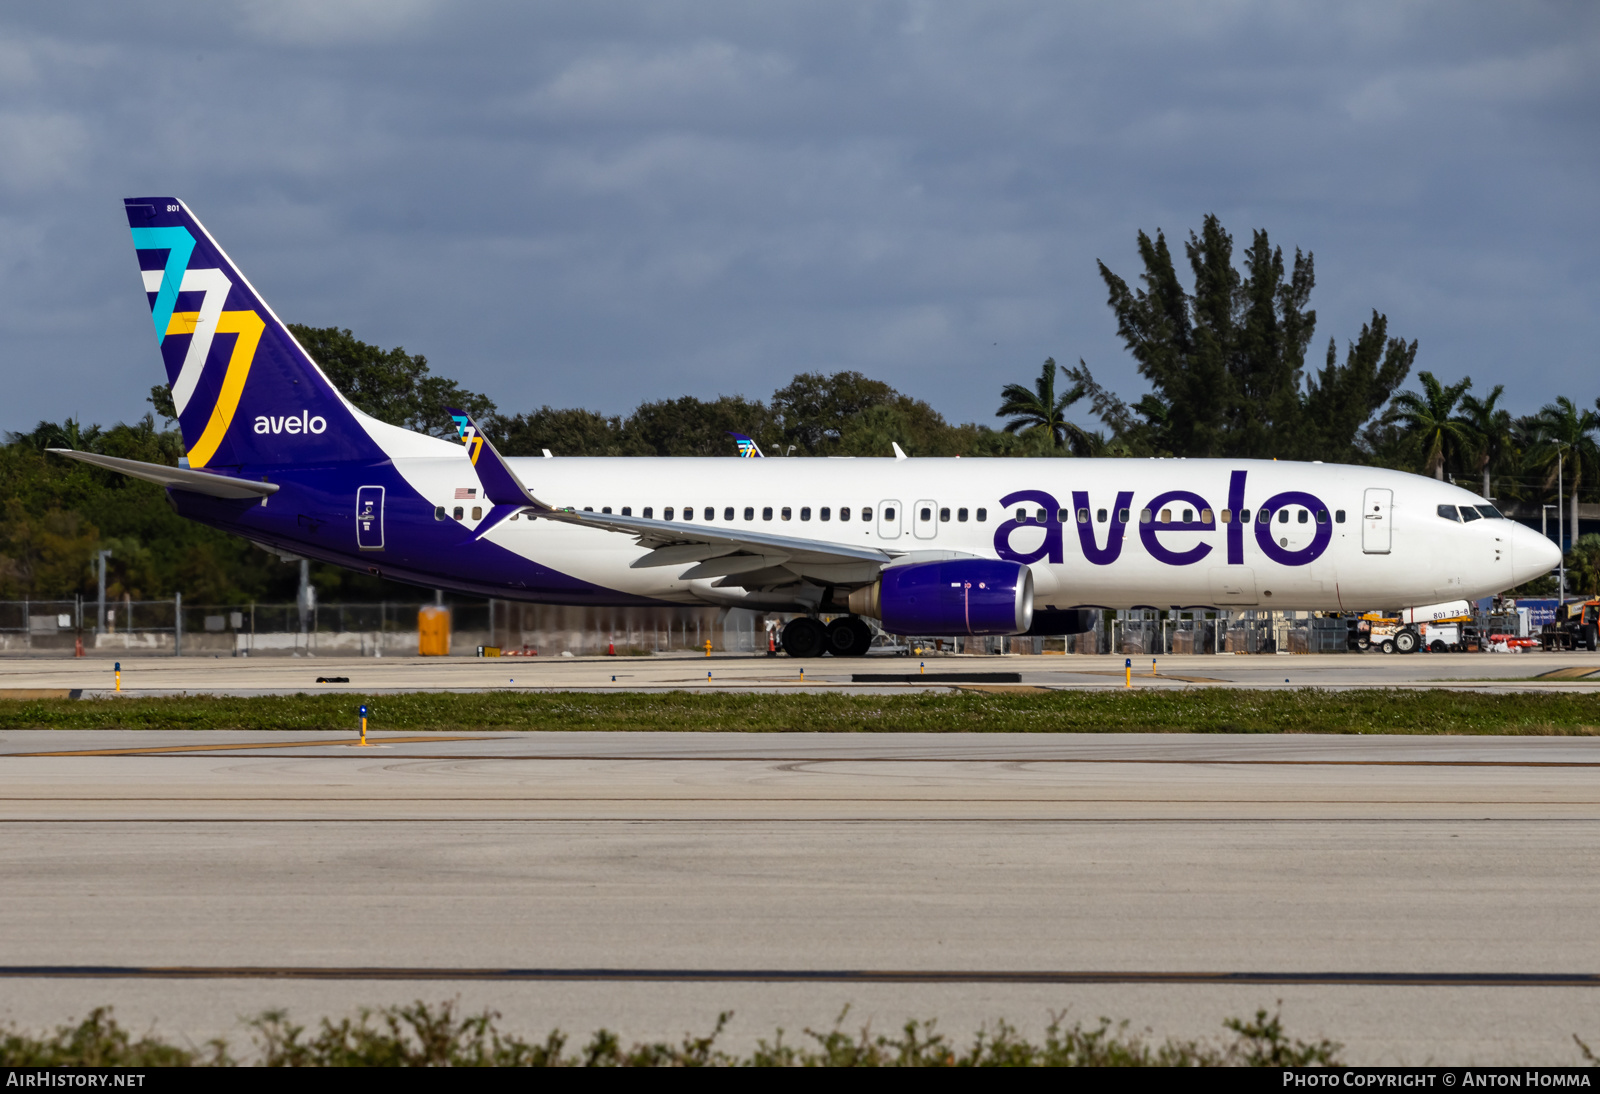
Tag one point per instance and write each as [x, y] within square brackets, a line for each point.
[466, 492]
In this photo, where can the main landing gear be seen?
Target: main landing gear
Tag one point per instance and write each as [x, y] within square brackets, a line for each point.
[807, 637]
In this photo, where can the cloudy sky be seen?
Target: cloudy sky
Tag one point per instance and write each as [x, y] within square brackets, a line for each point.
[595, 204]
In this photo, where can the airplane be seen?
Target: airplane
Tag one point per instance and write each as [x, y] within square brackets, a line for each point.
[923, 546]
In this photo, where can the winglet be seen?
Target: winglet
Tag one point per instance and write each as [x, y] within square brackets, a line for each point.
[747, 447]
[899, 453]
[500, 484]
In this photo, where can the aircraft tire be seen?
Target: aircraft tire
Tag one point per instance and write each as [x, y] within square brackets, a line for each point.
[804, 637]
[849, 637]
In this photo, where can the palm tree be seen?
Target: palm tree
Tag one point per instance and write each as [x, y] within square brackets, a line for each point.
[1428, 418]
[1567, 448]
[1041, 409]
[1492, 425]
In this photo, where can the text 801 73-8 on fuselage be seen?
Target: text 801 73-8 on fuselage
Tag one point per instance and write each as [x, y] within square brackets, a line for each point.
[928, 546]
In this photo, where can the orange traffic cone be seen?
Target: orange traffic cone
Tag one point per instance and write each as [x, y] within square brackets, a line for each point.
[77, 648]
[611, 649]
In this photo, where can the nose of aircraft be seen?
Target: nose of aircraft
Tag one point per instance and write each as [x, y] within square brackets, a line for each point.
[1532, 555]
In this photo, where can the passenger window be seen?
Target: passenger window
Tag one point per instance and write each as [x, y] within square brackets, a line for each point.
[1338, 516]
[1226, 515]
[627, 510]
[1205, 516]
[1100, 516]
[1022, 516]
[983, 515]
[749, 512]
[727, 514]
[961, 515]
[457, 512]
[786, 513]
[477, 512]
[1166, 516]
[1146, 516]
[1041, 517]
[1264, 516]
[438, 512]
[844, 512]
[927, 514]
[1322, 516]
[805, 512]
[1302, 516]
[1123, 515]
[866, 513]
[711, 513]
[1468, 513]
[825, 513]
[1244, 516]
[1283, 516]
[1188, 516]
[888, 514]
[648, 512]
[586, 509]
[944, 516]
[607, 509]
[1448, 512]
[1083, 516]
[766, 513]
[666, 514]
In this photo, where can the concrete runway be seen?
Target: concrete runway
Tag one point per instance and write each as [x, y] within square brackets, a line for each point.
[588, 880]
[21, 676]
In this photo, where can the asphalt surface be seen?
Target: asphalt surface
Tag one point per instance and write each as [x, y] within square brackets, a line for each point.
[22, 676]
[1419, 899]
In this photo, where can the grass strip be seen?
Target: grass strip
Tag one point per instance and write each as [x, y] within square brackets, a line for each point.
[1207, 710]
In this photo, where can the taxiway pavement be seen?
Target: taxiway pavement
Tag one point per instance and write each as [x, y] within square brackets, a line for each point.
[1396, 893]
[27, 676]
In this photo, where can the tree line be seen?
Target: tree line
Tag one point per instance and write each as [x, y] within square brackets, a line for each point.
[1225, 355]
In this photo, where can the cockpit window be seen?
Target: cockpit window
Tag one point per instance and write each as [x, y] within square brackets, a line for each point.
[1448, 512]
[1468, 513]
[1491, 512]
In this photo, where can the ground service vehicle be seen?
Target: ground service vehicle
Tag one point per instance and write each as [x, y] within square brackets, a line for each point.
[1577, 627]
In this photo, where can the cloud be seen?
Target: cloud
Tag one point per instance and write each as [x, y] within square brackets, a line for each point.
[334, 22]
[42, 149]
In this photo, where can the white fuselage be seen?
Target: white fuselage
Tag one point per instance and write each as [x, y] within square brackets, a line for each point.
[1383, 542]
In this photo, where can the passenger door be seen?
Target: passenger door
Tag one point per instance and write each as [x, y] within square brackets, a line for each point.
[925, 519]
[369, 518]
[1377, 518]
[889, 519]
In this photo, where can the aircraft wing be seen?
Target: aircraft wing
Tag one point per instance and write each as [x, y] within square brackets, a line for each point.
[198, 482]
[733, 555]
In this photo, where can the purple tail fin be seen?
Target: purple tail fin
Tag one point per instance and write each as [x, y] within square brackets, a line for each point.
[246, 394]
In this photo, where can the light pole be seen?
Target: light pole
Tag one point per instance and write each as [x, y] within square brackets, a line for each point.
[1561, 526]
[100, 558]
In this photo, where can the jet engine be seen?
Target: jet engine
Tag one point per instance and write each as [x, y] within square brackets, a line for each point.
[953, 596]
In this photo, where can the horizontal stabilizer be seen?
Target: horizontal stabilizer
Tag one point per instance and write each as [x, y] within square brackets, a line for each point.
[196, 482]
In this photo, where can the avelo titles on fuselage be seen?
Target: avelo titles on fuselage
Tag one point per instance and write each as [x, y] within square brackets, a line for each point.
[927, 546]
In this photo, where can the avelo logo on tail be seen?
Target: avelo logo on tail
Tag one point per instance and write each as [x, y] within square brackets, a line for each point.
[305, 423]
[167, 282]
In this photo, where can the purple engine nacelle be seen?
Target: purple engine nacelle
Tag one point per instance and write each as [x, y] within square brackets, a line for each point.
[956, 596]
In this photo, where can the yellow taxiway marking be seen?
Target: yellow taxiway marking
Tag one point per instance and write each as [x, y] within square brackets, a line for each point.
[155, 749]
